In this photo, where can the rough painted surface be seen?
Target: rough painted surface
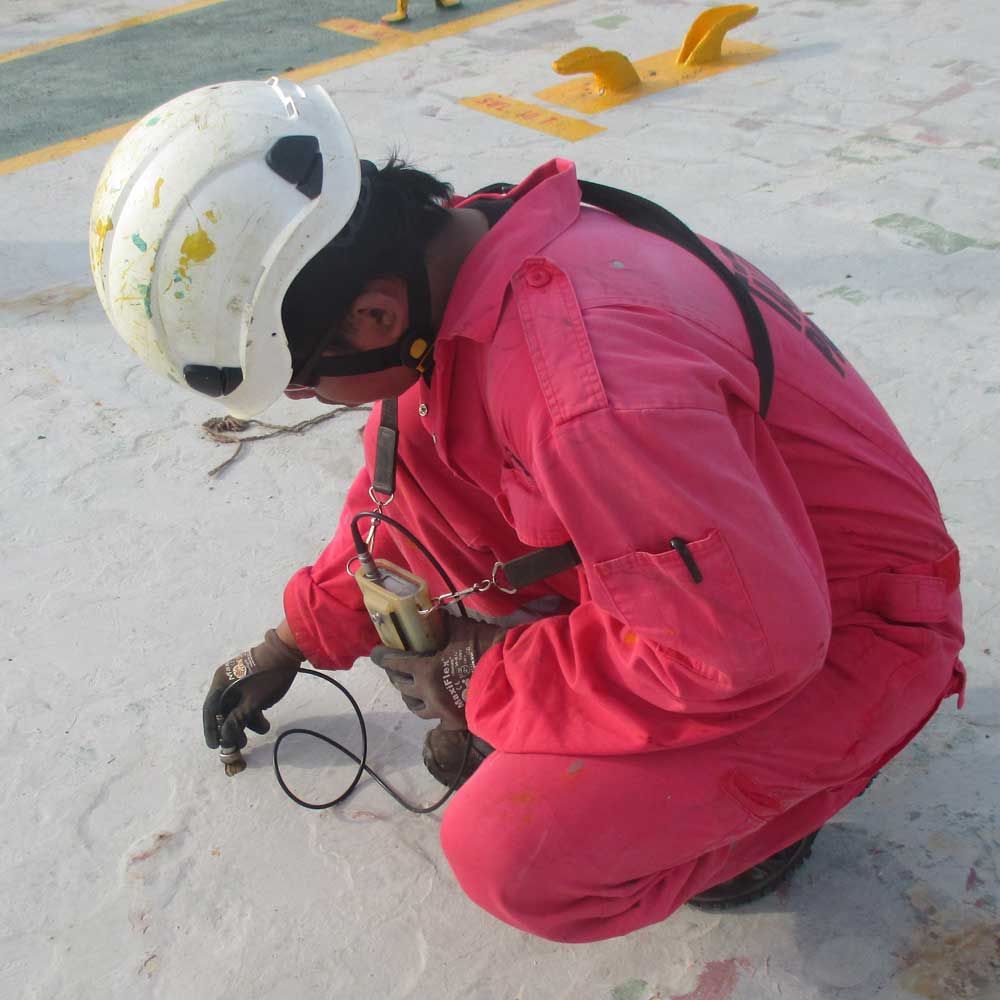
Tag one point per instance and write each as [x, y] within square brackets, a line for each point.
[131, 867]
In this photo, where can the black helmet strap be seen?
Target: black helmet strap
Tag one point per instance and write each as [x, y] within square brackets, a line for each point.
[412, 350]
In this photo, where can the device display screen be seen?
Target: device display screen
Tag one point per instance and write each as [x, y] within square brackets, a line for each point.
[397, 586]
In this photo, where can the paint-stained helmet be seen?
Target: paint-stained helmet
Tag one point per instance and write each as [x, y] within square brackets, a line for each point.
[205, 212]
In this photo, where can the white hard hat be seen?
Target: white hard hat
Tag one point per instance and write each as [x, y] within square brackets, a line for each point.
[205, 212]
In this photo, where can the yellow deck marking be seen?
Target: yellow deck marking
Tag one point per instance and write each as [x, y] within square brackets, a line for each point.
[656, 73]
[365, 29]
[63, 149]
[532, 116]
[400, 40]
[455, 26]
[108, 29]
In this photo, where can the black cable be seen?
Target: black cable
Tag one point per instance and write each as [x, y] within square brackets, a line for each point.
[362, 761]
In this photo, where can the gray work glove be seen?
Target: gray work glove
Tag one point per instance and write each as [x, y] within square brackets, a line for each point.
[269, 670]
[433, 685]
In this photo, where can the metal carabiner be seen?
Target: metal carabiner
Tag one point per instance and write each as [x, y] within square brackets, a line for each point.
[456, 595]
[493, 580]
[380, 505]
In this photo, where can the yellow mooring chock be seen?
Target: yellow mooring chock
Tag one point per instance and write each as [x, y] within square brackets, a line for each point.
[703, 42]
[617, 80]
[613, 72]
[402, 13]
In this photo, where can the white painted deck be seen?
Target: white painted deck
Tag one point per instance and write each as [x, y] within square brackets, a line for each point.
[860, 167]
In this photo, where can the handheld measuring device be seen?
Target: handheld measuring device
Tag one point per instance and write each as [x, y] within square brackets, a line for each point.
[399, 605]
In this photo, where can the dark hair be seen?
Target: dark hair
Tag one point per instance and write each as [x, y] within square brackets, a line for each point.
[404, 213]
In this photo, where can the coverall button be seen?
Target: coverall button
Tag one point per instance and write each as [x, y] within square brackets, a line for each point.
[422, 409]
[538, 277]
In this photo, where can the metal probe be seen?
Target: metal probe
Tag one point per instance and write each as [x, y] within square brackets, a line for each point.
[231, 757]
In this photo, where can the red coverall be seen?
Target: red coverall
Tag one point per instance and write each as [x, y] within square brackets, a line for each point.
[594, 382]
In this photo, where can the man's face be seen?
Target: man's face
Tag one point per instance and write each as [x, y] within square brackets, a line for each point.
[378, 318]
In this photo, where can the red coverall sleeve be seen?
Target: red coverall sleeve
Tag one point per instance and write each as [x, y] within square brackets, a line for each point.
[323, 604]
[653, 658]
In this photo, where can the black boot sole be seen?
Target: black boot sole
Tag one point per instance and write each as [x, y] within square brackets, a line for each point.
[759, 881]
[784, 863]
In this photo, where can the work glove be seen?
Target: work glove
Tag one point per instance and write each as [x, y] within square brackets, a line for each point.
[445, 750]
[433, 685]
[265, 673]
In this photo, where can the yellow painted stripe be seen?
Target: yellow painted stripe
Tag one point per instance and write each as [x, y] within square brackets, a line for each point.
[63, 149]
[409, 39]
[364, 29]
[452, 27]
[532, 116]
[108, 29]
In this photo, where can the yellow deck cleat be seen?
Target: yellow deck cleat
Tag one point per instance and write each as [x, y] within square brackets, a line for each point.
[401, 12]
[703, 42]
[613, 72]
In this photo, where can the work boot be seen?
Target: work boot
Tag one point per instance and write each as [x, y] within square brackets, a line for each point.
[760, 880]
[444, 750]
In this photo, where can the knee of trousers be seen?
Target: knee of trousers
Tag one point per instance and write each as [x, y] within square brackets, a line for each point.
[500, 856]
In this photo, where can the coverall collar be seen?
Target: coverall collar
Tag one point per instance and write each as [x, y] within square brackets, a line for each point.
[547, 202]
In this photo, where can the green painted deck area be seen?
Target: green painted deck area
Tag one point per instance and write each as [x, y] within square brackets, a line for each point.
[85, 86]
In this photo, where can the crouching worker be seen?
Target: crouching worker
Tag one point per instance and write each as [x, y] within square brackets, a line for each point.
[740, 602]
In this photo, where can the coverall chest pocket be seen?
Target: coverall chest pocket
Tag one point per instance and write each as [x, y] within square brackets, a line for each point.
[708, 627]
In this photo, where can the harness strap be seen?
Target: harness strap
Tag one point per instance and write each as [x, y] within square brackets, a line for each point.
[645, 214]
[386, 447]
[537, 565]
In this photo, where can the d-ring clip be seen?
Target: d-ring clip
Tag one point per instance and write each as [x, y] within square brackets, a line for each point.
[497, 567]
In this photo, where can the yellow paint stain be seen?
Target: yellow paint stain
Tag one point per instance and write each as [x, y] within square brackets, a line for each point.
[522, 798]
[101, 229]
[156, 192]
[656, 73]
[454, 26]
[196, 248]
[532, 116]
[108, 29]
[952, 954]
[630, 638]
[212, 215]
[49, 299]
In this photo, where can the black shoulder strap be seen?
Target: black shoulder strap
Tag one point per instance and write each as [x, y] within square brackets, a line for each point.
[653, 218]
[386, 446]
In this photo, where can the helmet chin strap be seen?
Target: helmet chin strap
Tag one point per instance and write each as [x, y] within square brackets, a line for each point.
[414, 349]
